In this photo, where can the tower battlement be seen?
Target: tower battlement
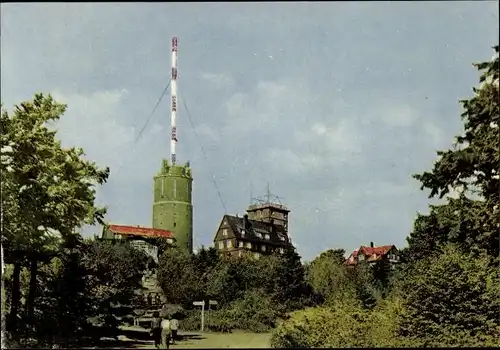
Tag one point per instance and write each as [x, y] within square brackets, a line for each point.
[176, 170]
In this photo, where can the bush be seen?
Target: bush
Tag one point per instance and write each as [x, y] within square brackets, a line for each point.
[384, 323]
[342, 325]
[256, 312]
[192, 321]
[452, 300]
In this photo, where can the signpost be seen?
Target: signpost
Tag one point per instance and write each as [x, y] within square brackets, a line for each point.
[210, 302]
[202, 304]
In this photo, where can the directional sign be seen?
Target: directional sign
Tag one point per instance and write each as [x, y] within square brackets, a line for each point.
[199, 303]
[212, 302]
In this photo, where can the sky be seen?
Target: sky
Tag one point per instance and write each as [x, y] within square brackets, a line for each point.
[333, 104]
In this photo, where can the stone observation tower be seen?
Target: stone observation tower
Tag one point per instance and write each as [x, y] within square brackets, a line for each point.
[172, 206]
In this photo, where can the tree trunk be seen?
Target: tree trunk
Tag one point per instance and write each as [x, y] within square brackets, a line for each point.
[15, 298]
[32, 291]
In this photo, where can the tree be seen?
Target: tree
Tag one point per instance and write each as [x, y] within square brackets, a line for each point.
[451, 300]
[255, 312]
[328, 276]
[178, 277]
[114, 271]
[291, 288]
[365, 284]
[232, 277]
[342, 325]
[471, 168]
[47, 190]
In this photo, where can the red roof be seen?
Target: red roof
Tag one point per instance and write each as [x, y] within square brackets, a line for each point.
[382, 250]
[371, 253]
[139, 231]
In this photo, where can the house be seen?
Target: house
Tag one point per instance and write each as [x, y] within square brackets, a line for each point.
[139, 237]
[262, 231]
[373, 254]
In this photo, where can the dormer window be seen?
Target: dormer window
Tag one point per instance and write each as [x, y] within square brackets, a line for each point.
[258, 235]
[267, 236]
[361, 257]
[243, 232]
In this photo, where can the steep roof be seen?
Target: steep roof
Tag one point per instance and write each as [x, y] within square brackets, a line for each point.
[256, 227]
[139, 231]
[371, 253]
[382, 250]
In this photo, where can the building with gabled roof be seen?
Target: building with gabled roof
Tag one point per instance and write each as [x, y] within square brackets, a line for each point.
[373, 254]
[139, 237]
[262, 231]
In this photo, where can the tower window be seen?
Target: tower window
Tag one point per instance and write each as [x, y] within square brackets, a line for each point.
[175, 224]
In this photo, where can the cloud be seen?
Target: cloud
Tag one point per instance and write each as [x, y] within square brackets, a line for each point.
[95, 117]
[269, 105]
[207, 132]
[220, 81]
[289, 162]
[400, 116]
[434, 133]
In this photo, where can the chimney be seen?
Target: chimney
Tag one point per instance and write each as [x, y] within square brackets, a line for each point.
[245, 221]
[371, 244]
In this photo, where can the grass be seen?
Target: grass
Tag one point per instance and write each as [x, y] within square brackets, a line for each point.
[208, 340]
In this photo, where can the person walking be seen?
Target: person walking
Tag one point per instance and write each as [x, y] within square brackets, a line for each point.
[156, 329]
[165, 333]
[174, 326]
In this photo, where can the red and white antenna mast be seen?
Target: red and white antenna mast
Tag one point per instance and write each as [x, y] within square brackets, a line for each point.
[173, 90]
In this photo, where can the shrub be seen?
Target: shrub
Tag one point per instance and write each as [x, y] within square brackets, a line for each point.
[452, 300]
[255, 312]
[342, 325]
[192, 321]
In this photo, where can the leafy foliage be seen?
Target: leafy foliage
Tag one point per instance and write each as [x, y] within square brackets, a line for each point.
[472, 168]
[178, 277]
[290, 286]
[255, 312]
[452, 300]
[329, 277]
[47, 188]
[114, 271]
[342, 325]
[47, 191]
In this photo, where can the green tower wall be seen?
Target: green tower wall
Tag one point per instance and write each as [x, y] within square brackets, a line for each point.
[172, 206]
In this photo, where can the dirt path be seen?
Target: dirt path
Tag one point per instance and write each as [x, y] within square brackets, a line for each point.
[213, 340]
